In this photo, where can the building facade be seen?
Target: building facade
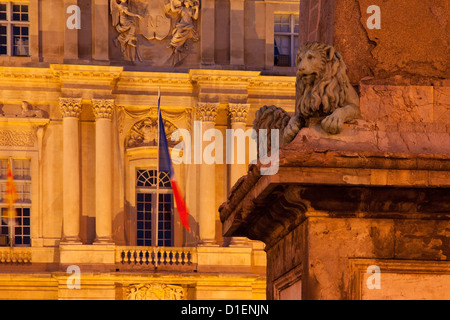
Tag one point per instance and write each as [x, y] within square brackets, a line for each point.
[79, 84]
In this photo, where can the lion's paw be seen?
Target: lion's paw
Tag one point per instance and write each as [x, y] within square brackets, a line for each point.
[334, 123]
[293, 127]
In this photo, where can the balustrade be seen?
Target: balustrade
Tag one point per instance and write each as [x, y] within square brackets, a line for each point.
[13, 255]
[157, 257]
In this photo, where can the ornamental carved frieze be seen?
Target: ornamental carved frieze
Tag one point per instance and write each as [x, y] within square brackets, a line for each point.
[207, 111]
[70, 107]
[145, 133]
[17, 138]
[155, 31]
[103, 108]
[238, 112]
[155, 291]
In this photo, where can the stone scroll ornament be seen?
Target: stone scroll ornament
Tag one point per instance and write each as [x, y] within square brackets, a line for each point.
[323, 90]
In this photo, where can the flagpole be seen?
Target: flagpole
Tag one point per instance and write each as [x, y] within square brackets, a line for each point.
[157, 172]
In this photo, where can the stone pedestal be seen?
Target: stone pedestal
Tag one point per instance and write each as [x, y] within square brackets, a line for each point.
[341, 208]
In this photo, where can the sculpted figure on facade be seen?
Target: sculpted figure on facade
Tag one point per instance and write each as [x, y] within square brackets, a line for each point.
[145, 133]
[27, 111]
[125, 23]
[323, 91]
[187, 11]
[141, 24]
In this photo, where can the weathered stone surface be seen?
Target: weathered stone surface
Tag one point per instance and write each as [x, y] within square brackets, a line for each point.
[331, 242]
[428, 241]
[413, 39]
[397, 103]
[441, 106]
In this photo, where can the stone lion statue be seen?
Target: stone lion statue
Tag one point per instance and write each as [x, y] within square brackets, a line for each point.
[322, 90]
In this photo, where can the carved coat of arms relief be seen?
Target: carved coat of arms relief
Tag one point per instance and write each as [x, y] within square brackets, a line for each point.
[157, 32]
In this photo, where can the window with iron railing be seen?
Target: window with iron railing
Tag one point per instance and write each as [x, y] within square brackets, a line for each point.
[154, 219]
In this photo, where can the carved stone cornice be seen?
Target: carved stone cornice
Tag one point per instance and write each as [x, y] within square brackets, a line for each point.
[103, 108]
[238, 112]
[81, 73]
[207, 111]
[70, 107]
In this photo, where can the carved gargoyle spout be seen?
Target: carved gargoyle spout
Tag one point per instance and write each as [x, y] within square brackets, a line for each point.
[322, 90]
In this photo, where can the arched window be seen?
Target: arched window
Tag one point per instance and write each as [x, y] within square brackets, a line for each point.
[154, 209]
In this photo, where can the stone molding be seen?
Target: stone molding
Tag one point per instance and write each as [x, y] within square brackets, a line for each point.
[238, 112]
[70, 107]
[103, 108]
[207, 111]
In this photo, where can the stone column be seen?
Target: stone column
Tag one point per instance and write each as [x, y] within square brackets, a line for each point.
[103, 110]
[238, 115]
[206, 113]
[70, 109]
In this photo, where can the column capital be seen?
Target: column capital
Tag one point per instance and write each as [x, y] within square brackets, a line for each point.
[207, 111]
[238, 112]
[70, 107]
[103, 108]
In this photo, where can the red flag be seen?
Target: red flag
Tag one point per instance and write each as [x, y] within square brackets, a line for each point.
[11, 193]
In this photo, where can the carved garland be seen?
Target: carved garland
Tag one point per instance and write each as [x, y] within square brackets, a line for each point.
[155, 291]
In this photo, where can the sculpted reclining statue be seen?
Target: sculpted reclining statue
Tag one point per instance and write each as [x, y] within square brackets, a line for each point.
[323, 90]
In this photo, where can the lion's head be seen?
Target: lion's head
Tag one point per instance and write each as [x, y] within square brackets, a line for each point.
[321, 80]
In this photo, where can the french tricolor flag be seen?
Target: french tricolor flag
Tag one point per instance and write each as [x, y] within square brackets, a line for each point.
[165, 164]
